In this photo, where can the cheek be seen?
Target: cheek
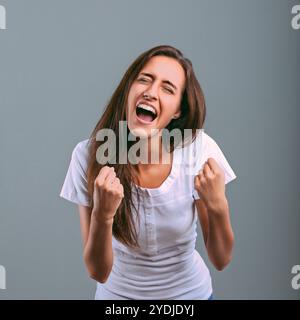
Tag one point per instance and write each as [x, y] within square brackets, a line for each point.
[130, 99]
[133, 94]
[170, 108]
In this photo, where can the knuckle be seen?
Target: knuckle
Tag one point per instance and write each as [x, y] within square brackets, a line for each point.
[111, 191]
[106, 188]
[219, 172]
[116, 193]
[98, 183]
[104, 168]
[112, 170]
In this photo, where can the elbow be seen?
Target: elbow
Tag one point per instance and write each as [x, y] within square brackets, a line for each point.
[97, 277]
[94, 272]
[221, 262]
[221, 265]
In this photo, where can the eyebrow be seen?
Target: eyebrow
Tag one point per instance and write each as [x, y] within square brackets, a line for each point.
[153, 77]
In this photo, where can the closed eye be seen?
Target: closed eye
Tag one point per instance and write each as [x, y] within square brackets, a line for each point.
[143, 80]
[146, 80]
[169, 90]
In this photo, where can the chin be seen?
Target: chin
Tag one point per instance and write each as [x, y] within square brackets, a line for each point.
[140, 129]
[143, 133]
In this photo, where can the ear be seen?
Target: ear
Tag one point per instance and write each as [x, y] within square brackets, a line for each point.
[177, 115]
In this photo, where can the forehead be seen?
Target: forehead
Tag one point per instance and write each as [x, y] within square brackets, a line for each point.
[166, 68]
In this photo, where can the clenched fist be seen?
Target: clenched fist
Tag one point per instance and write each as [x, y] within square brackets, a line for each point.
[108, 194]
[210, 184]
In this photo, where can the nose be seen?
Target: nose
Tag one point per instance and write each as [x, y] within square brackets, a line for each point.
[151, 93]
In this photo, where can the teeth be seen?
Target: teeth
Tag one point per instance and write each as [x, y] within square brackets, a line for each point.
[146, 107]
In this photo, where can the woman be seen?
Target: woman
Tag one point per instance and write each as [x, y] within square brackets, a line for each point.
[138, 219]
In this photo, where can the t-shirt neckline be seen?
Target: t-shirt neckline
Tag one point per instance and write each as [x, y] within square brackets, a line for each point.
[166, 184]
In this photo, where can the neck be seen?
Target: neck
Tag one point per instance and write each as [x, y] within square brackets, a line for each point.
[157, 154]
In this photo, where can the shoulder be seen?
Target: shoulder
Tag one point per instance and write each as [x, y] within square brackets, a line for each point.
[211, 149]
[206, 147]
[194, 152]
[203, 143]
[80, 154]
[81, 149]
[75, 188]
[209, 143]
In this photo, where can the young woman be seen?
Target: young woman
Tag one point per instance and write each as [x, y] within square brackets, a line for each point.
[138, 219]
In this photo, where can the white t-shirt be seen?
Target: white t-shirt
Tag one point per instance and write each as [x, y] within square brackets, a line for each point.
[167, 266]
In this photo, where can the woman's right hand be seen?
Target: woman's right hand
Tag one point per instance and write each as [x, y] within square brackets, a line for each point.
[108, 194]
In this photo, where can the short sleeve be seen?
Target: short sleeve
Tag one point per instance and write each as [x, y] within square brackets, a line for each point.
[74, 187]
[210, 149]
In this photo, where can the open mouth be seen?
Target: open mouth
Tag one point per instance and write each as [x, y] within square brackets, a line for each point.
[146, 113]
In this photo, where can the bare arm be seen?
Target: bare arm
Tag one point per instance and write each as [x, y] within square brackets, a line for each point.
[96, 224]
[217, 233]
[203, 219]
[97, 244]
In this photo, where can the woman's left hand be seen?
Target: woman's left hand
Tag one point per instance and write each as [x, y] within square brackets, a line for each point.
[210, 185]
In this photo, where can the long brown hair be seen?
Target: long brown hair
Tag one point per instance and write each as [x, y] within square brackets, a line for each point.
[193, 111]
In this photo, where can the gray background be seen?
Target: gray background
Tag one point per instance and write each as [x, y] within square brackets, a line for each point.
[59, 63]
